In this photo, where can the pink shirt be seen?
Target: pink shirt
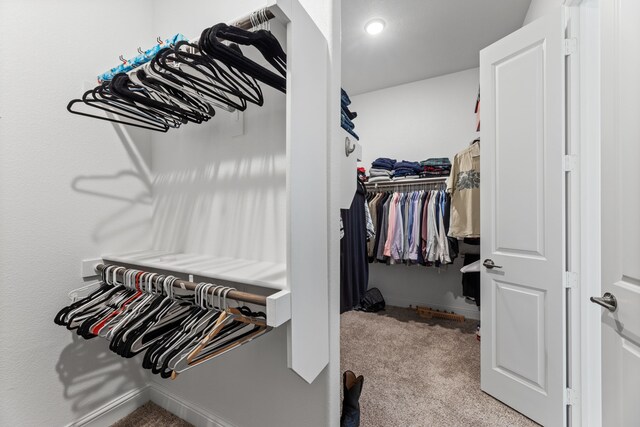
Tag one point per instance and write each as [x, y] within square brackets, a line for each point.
[392, 225]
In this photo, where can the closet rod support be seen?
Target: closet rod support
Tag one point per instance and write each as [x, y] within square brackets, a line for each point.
[246, 22]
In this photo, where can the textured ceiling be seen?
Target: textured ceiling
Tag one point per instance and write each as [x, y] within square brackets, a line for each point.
[422, 38]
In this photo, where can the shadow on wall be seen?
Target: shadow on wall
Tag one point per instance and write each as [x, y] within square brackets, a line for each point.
[205, 210]
[92, 375]
[128, 188]
[222, 193]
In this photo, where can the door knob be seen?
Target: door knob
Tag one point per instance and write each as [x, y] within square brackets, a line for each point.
[607, 300]
[490, 264]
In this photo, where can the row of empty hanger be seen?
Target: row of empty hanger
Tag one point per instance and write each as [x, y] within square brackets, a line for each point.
[142, 312]
[180, 81]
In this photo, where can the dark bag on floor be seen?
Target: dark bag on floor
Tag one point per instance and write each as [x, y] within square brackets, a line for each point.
[372, 301]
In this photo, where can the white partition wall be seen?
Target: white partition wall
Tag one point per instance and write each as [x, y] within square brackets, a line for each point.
[307, 137]
[258, 191]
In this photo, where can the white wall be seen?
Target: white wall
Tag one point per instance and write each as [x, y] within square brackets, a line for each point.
[70, 188]
[539, 8]
[415, 121]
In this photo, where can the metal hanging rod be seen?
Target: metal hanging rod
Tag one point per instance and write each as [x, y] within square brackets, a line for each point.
[406, 183]
[191, 286]
[246, 22]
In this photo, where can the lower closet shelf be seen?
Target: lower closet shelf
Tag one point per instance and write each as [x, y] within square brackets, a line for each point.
[251, 272]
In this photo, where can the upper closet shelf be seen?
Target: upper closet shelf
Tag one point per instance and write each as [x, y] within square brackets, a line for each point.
[258, 273]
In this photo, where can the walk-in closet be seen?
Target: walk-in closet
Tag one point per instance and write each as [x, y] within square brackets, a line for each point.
[319, 213]
[417, 120]
[455, 117]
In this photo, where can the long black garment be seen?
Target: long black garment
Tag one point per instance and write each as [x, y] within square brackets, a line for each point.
[354, 266]
[452, 241]
[378, 225]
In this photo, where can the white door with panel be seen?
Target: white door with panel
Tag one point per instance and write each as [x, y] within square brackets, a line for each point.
[620, 207]
[522, 220]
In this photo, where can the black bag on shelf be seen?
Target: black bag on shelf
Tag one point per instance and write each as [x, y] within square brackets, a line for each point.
[372, 301]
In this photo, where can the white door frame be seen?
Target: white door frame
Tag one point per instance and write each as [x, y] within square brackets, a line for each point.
[584, 205]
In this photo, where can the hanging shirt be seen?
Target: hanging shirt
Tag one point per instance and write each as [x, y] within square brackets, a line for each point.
[425, 226]
[384, 227]
[464, 186]
[392, 224]
[407, 218]
[373, 211]
[432, 228]
[398, 232]
[443, 244]
[371, 232]
[408, 236]
[414, 245]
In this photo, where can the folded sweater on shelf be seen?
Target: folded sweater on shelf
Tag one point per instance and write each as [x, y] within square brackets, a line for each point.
[380, 172]
[374, 179]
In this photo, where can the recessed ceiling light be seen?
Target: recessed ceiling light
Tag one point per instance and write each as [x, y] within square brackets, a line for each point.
[375, 26]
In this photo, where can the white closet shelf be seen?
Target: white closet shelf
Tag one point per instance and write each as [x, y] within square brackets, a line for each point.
[251, 272]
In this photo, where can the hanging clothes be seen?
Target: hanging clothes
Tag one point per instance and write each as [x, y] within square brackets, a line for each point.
[411, 228]
[464, 186]
[354, 266]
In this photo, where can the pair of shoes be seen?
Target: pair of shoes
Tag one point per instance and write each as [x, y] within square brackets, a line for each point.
[352, 387]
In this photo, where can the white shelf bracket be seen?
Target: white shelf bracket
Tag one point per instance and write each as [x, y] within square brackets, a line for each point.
[278, 308]
[88, 267]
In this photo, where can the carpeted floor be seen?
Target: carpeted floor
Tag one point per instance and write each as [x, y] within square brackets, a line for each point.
[151, 415]
[419, 372]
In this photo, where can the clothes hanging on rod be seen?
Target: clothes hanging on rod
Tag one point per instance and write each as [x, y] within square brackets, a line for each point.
[177, 324]
[464, 186]
[411, 226]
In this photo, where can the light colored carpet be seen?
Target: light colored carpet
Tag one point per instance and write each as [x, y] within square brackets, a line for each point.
[419, 372]
[151, 415]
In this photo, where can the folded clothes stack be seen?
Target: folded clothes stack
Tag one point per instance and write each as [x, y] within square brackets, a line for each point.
[346, 116]
[379, 175]
[381, 169]
[383, 163]
[406, 170]
[380, 172]
[435, 167]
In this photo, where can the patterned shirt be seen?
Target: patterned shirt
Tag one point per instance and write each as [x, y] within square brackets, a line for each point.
[464, 185]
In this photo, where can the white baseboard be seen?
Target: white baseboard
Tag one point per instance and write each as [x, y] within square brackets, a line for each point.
[115, 410]
[189, 412]
[470, 313]
[122, 406]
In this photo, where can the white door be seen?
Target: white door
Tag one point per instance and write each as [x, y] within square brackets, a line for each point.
[620, 207]
[522, 220]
